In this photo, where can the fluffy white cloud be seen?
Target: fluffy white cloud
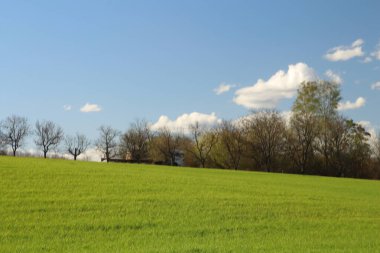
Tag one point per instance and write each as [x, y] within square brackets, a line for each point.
[90, 108]
[344, 53]
[334, 77]
[360, 102]
[183, 122]
[91, 154]
[67, 107]
[222, 88]
[375, 86]
[282, 85]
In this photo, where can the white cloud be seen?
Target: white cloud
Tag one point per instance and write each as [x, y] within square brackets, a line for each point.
[91, 154]
[344, 53]
[90, 108]
[183, 122]
[375, 86]
[222, 88]
[367, 59]
[334, 77]
[357, 43]
[282, 85]
[376, 53]
[67, 107]
[360, 102]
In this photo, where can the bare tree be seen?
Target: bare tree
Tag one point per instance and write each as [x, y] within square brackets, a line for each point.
[339, 132]
[230, 145]
[14, 131]
[204, 141]
[168, 145]
[305, 130]
[134, 143]
[265, 133]
[48, 135]
[76, 145]
[107, 142]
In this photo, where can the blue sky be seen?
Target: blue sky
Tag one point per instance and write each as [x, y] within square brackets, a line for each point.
[146, 59]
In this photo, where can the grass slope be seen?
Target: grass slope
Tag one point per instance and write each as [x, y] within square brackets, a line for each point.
[66, 206]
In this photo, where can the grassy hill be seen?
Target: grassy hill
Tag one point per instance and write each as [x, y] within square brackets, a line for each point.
[66, 206]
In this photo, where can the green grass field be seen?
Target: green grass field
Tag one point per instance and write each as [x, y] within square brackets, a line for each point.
[66, 206]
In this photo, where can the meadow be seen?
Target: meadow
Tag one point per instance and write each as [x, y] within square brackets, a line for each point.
[67, 206]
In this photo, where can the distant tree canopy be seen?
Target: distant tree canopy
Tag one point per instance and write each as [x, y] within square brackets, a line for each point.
[315, 139]
[134, 143]
[265, 136]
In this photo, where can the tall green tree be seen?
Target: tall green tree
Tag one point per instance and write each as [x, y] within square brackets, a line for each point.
[328, 96]
[314, 112]
[304, 124]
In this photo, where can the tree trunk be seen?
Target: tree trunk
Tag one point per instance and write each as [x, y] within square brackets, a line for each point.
[75, 154]
[107, 155]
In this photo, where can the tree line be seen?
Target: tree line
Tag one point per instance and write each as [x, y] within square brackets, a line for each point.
[48, 136]
[316, 139]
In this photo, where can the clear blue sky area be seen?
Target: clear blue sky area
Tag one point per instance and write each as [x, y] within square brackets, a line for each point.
[144, 59]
